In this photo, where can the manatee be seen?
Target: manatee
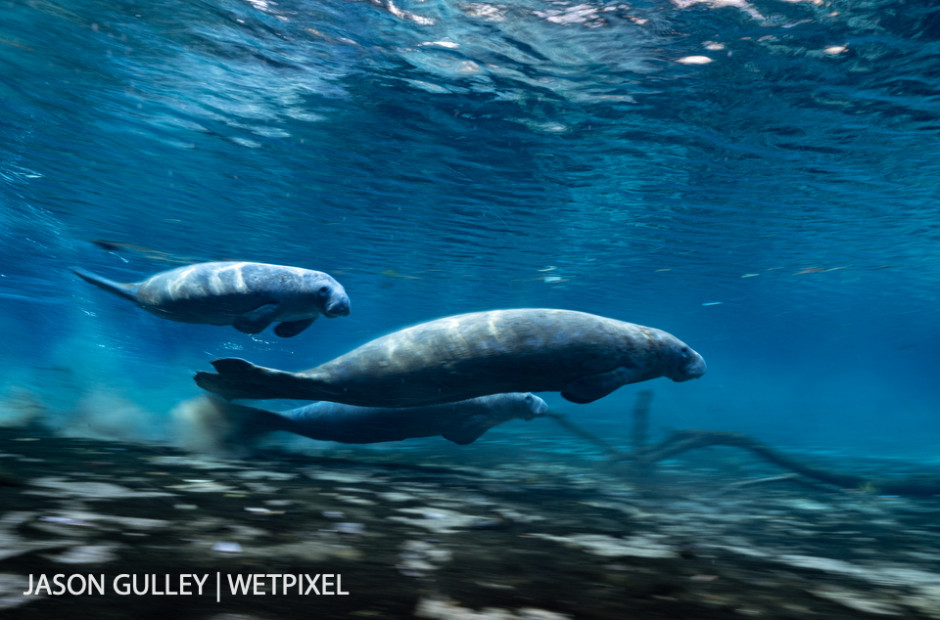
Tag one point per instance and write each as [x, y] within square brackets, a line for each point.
[248, 296]
[583, 356]
[461, 422]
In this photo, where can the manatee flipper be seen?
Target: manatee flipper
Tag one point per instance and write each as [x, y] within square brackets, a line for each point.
[256, 320]
[127, 291]
[238, 378]
[469, 430]
[590, 388]
[292, 328]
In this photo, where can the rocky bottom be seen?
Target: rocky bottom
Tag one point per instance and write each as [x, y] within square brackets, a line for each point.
[473, 536]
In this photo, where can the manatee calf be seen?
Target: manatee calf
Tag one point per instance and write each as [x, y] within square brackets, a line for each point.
[248, 296]
[581, 355]
[463, 422]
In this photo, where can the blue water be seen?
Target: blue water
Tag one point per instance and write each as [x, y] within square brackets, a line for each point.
[758, 178]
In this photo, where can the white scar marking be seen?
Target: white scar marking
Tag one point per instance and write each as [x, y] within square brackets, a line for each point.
[217, 286]
[177, 284]
[214, 282]
[240, 285]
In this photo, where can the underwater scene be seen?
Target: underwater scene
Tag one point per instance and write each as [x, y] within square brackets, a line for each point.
[469, 309]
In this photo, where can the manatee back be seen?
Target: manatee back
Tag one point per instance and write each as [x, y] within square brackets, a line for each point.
[193, 283]
[215, 293]
[502, 350]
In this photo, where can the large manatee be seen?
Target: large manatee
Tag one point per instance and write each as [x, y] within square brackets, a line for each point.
[583, 356]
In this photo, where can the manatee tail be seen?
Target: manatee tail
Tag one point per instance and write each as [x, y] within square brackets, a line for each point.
[127, 291]
[208, 424]
[237, 378]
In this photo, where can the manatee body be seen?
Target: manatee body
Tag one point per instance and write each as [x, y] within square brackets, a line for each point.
[461, 422]
[583, 356]
[248, 296]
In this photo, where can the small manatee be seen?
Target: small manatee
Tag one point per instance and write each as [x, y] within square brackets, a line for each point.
[248, 296]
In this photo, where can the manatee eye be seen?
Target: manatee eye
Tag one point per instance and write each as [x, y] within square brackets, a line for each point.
[685, 352]
[323, 291]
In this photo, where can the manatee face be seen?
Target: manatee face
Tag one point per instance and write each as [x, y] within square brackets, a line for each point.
[331, 297]
[686, 363]
[535, 404]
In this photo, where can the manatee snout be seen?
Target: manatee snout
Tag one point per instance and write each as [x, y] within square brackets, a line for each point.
[691, 365]
[338, 305]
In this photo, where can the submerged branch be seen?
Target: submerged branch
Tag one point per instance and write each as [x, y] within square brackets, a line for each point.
[683, 441]
[644, 456]
[574, 429]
